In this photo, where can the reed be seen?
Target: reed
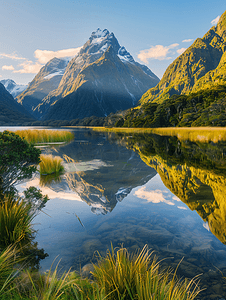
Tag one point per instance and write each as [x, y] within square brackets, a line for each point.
[194, 134]
[15, 222]
[45, 136]
[119, 275]
[126, 276]
[7, 271]
[50, 164]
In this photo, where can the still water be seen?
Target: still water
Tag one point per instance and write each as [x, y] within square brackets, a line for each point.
[132, 190]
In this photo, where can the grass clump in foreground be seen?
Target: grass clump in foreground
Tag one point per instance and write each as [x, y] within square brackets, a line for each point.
[45, 136]
[50, 164]
[119, 275]
[15, 222]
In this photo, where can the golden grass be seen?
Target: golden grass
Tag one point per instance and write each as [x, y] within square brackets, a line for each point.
[194, 134]
[50, 164]
[45, 135]
[137, 276]
[118, 276]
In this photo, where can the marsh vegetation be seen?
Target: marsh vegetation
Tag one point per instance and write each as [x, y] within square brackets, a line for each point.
[50, 165]
[118, 275]
[194, 134]
[45, 136]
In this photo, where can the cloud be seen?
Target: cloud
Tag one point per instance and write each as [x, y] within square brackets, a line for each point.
[67, 195]
[44, 56]
[181, 50]
[215, 21]
[159, 52]
[187, 40]
[182, 207]
[156, 196]
[13, 56]
[7, 67]
[29, 67]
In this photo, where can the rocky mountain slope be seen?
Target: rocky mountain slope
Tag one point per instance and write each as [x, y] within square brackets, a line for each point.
[192, 91]
[201, 66]
[11, 112]
[102, 78]
[13, 88]
[47, 79]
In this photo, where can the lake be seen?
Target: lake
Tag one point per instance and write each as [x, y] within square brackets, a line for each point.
[136, 189]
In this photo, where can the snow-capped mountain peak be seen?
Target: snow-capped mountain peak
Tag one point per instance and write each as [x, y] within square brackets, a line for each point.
[124, 55]
[13, 88]
[100, 41]
[99, 33]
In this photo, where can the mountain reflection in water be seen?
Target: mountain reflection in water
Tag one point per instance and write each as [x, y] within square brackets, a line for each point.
[194, 172]
[130, 204]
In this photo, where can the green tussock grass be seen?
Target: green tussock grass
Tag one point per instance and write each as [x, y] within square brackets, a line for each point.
[7, 261]
[45, 136]
[118, 276]
[50, 164]
[138, 276]
[194, 134]
[15, 222]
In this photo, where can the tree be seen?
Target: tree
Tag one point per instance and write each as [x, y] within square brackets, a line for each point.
[18, 160]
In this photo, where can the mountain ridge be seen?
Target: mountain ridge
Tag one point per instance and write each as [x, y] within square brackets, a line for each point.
[203, 56]
[11, 112]
[88, 57]
[46, 80]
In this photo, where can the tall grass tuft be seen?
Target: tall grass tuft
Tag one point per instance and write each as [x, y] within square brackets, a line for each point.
[48, 286]
[126, 276]
[118, 276]
[50, 164]
[45, 136]
[7, 271]
[15, 221]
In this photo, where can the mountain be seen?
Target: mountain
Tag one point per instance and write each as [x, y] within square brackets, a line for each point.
[11, 112]
[101, 79]
[201, 66]
[192, 91]
[13, 88]
[47, 79]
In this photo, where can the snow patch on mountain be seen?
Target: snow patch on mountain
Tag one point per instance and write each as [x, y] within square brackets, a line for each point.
[13, 88]
[58, 73]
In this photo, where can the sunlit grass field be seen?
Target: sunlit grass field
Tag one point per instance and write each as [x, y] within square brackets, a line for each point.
[45, 136]
[50, 164]
[119, 275]
[201, 134]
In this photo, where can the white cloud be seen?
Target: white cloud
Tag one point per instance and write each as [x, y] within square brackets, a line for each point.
[44, 56]
[215, 21]
[13, 56]
[156, 196]
[68, 195]
[187, 40]
[159, 52]
[29, 67]
[7, 67]
[181, 50]
[182, 207]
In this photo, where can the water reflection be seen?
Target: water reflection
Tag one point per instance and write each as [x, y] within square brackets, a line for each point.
[130, 204]
[194, 172]
[99, 172]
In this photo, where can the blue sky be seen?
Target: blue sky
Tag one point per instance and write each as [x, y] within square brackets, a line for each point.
[154, 32]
